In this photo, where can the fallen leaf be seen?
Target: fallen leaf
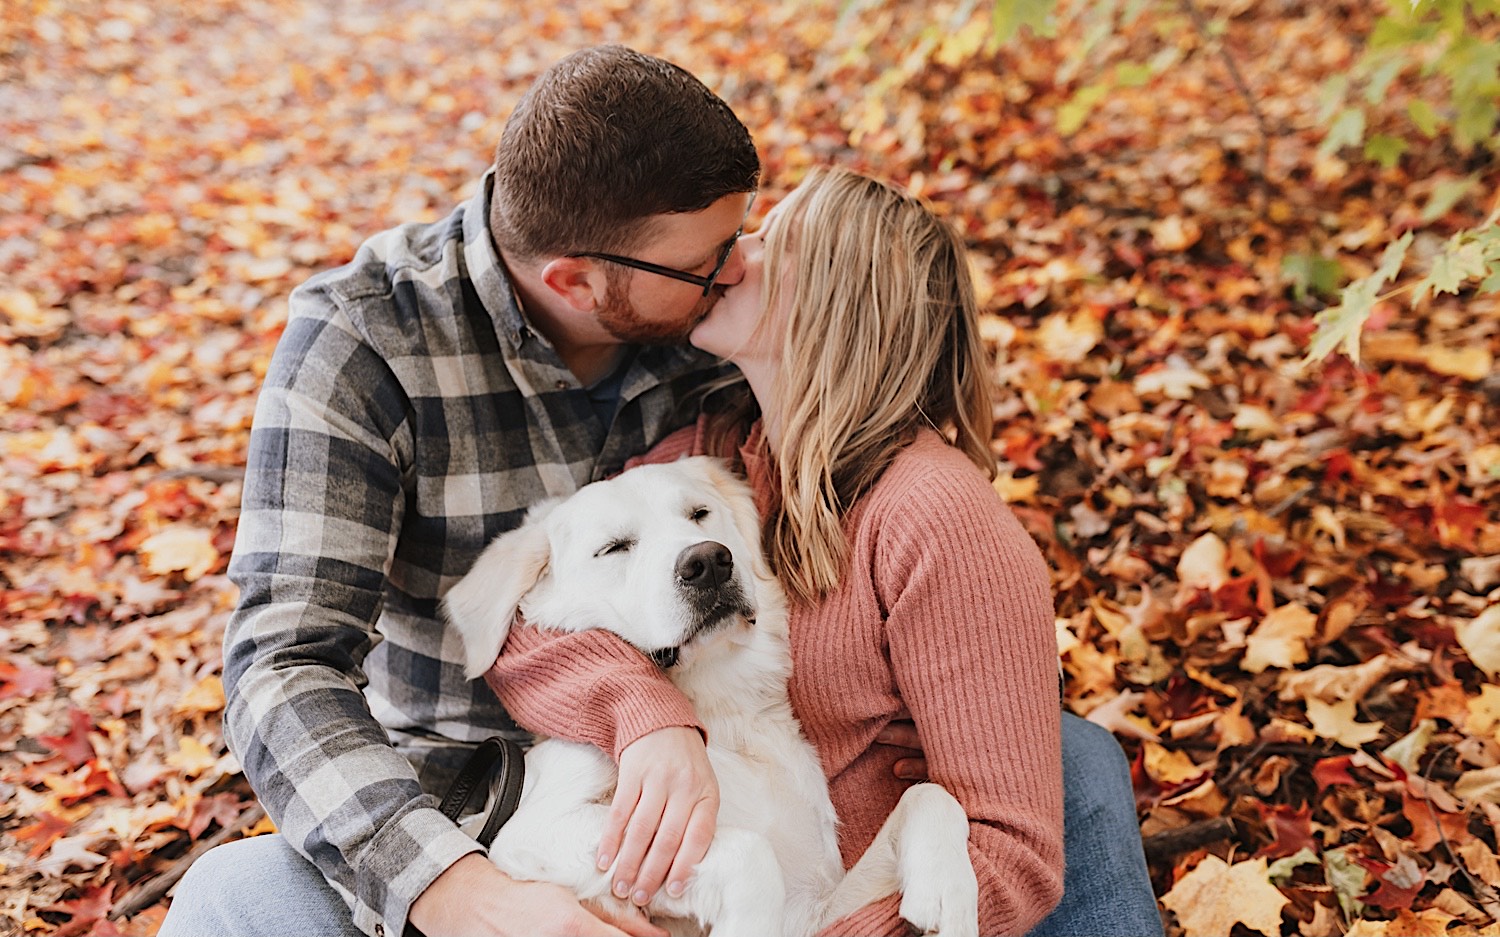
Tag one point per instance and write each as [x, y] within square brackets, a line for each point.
[1480, 639]
[1337, 721]
[180, 548]
[1214, 896]
[1281, 639]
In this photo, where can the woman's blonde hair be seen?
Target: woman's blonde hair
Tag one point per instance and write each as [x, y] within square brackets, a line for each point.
[880, 338]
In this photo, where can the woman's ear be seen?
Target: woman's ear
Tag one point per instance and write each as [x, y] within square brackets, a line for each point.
[577, 281]
[483, 605]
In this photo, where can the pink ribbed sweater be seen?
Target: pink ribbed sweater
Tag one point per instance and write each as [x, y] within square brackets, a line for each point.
[945, 612]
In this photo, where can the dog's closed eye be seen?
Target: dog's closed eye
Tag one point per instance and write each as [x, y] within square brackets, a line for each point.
[617, 545]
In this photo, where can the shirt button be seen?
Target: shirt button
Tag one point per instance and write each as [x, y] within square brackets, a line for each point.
[379, 930]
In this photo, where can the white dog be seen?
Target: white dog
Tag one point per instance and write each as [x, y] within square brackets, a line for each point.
[667, 557]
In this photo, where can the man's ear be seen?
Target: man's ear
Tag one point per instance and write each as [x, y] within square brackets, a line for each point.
[577, 281]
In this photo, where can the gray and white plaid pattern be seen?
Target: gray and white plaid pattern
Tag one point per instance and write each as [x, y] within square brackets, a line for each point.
[409, 416]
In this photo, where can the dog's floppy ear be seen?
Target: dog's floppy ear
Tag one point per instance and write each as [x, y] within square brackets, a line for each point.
[483, 605]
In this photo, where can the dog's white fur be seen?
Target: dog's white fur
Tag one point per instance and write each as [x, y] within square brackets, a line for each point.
[607, 558]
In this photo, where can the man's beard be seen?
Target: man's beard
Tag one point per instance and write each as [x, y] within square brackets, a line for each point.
[620, 319]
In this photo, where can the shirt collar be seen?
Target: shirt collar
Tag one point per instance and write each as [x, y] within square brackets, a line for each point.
[486, 272]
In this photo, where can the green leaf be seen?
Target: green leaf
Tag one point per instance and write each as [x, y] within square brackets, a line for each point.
[1491, 283]
[1283, 868]
[1424, 117]
[1381, 76]
[1407, 751]
[1008, 16]
[1346, 877]
[1389, 32]
[1457, 264]
[1385, 149]
[1340, 326]
[1132, 74]
[1445, 195]
[1331, 96]
[1310, 272]
[1476, 120]
[1391, 259]
[1071, 115]
[1348, 129]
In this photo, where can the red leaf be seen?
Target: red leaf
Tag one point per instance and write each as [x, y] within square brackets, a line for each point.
[87, 912]
[1333, 771]
[1291, 830]
[25, 682]
[47, 830]
[221, 809]
[1429, 825]
[75, 746]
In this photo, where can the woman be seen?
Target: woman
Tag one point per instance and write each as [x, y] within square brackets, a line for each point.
[863, 425]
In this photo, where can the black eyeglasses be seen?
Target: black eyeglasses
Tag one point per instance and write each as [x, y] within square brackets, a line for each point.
[706, 282]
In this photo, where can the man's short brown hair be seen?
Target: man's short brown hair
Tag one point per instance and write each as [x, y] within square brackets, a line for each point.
[604, 139]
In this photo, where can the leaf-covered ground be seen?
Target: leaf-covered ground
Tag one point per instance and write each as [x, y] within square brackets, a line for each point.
[1278, 585]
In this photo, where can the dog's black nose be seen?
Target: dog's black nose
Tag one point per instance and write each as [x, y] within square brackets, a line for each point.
[705, 565]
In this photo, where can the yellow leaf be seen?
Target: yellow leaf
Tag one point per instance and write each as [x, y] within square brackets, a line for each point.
[1281, 639]
[1484, 711]
[1069, 338]
[1336, 721]
[1482, 784]
[1472, 362]
[27, 318]
[180, 547]
[192, 757]
[1013, 490]
[206, 696]
[1169, 767]
[1204, 564]
[1173, 233]
[1215, 896]
[1480, 638]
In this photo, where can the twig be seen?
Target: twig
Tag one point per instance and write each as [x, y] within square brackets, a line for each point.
[152, 890]
[1164, 846]
[1201, 24]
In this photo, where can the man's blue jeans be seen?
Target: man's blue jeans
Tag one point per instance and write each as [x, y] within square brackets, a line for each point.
[262, 888]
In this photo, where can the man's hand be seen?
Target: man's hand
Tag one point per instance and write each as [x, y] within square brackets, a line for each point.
[475, 899]
[663, 816]
[903, 734]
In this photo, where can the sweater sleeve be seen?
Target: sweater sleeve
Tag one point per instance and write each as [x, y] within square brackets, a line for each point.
[592, 686]
[880, 918]
[972, 646]
[586, 686]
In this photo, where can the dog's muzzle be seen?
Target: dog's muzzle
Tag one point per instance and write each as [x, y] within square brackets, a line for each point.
[705, 574]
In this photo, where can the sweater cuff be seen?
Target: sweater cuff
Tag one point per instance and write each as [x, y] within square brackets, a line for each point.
[877, 919]
[590, 687]
[400, 862]
[634, 707]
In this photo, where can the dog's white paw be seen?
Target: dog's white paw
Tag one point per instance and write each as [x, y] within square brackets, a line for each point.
[939, 892]
[944, 904]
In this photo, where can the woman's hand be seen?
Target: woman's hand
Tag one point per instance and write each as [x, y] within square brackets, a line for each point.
[663, 816]
[472, 898]
[902, 734]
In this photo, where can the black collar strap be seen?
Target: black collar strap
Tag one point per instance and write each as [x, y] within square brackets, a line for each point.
[503, 764]
[504, 789]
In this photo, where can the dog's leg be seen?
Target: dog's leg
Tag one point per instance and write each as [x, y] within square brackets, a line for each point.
[737, 890]
[922, 852]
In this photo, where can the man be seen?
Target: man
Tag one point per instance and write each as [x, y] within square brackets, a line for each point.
[421, 398]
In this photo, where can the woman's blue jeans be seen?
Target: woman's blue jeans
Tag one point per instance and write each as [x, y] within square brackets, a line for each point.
[261, 887]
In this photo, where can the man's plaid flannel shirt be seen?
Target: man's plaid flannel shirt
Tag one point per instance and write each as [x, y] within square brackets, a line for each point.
[409, 416]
